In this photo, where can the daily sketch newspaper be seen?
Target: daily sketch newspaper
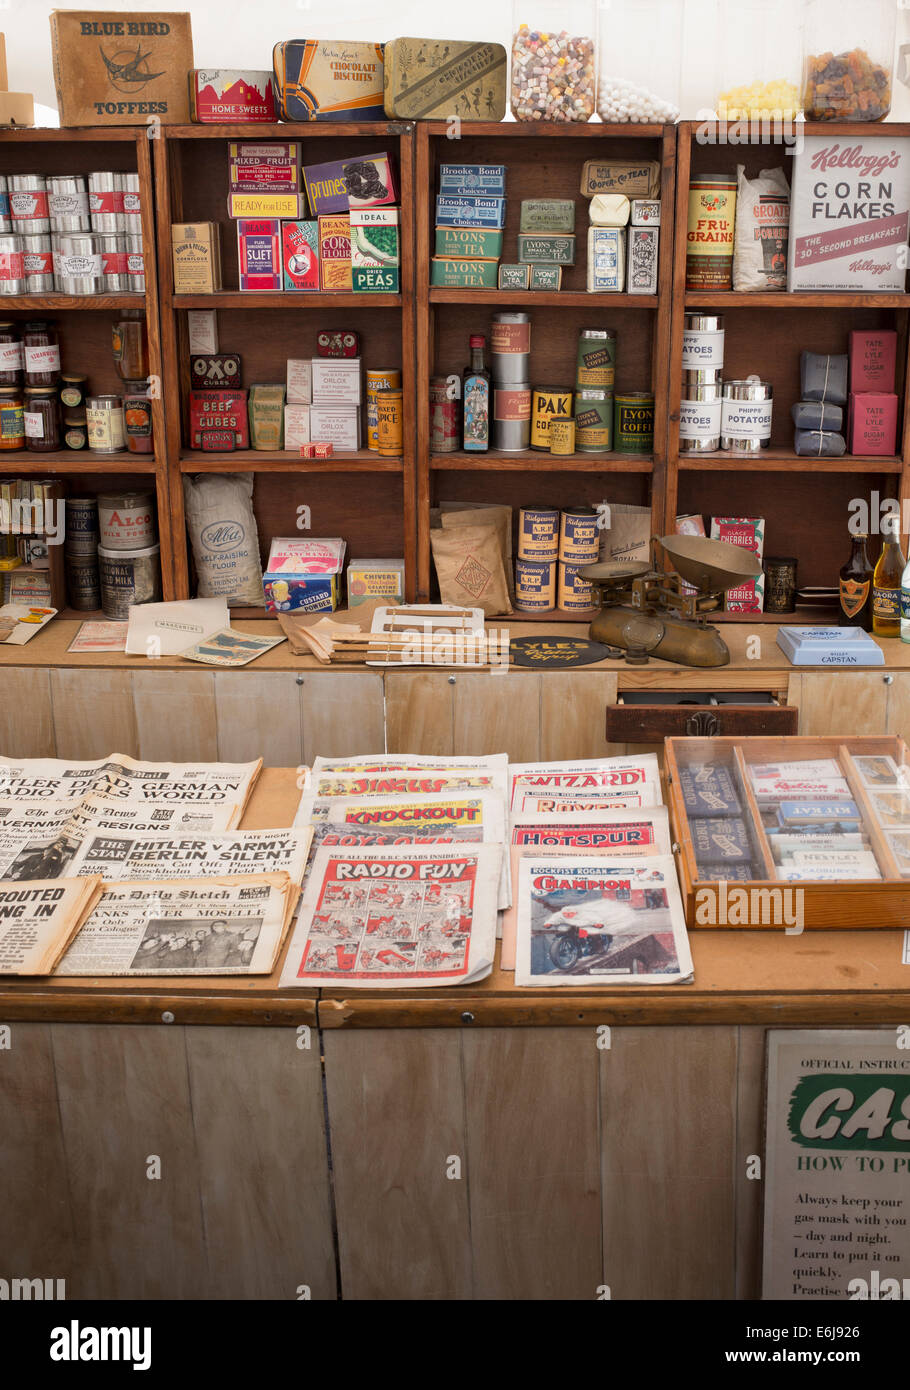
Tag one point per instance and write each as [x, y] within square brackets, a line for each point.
[437, 818]
[120, 778]
[597, 920]
[193, 926]
[400, 918]
[630, 834]
[120, 855]
[38, 920]
[39, 839]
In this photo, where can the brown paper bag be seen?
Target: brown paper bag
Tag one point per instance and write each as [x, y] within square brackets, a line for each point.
[469, 568]
[628, 536]
[484, 514]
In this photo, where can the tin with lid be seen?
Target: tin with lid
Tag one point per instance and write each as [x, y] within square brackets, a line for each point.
[699, 416]
[82, 584]
[112, 247]
[126, 520]
[548, 404]
[135, 263]
[596, 361]
[6, 222]
[131, 199]
[746, 416]
[77, 263]
[105, 200]
[510, 349]
[128, 577]
[38, 263]
[703, 345]
[12, 269]
[633, 422]
[444, 433]
[593, 421]
[104, 422]
[67, 203]
[28, 203]
[81, 525]
[512, 417]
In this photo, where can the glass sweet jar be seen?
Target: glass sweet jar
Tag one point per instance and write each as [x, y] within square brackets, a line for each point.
[553, 73]
[848, 59]
[638, 61]
[758, 61]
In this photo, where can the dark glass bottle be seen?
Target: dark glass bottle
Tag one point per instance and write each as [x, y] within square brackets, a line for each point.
[855, 588]
[475, 399]
[886, 582]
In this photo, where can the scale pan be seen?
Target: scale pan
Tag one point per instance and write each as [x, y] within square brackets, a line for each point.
[711, 566]
[615, 571]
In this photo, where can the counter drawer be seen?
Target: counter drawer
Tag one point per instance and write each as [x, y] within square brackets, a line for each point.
[652, 723]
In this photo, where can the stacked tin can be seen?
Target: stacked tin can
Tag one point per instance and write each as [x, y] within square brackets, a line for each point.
[129, 556]
[510, 362]
[595, 376]
[80, 554]
[702, 383]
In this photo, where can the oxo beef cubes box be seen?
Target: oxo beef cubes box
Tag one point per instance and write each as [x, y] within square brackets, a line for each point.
[303, 574]
[300, 255]
[259, 253]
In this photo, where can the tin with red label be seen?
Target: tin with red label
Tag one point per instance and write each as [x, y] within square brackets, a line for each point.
[339, 342]
[221, 410]
[221, 95]
[38, 264]
[28, 204]
[443, 416]
[209, 369]
[512, 417]
[137, 418]
[510, 349]
[12, 271]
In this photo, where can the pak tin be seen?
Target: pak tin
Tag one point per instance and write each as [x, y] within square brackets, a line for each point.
[300, 255]
[259, 253]
[633, 422]
[548, 403]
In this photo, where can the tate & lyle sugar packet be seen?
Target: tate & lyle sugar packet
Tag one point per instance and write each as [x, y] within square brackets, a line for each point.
[850, 211]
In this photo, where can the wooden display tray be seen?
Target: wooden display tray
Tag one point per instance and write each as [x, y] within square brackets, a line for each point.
[842, 905]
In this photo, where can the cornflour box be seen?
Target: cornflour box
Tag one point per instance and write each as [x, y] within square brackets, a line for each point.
[375, 579]
[850, 213]
[335, 252]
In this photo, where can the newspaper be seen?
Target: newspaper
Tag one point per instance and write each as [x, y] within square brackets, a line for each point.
[194, 926]
[411, 774]
[598, 920]
[401, 918]
[120, 855]
[631, 834]
[436, 819]
[39, 839]
[408, 762]
[610, 776]
[121, 778]
[38, 921]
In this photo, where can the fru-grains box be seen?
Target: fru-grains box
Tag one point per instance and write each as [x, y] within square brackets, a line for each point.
[335, 252]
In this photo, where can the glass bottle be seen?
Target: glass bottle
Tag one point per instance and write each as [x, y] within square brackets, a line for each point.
[475, 397]
[905, 603]
[855, 587]
[886, 582]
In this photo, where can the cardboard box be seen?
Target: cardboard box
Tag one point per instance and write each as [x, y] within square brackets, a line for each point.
[338, 425]
[370, 181]
[545, 277]
[202, 330]
[219, 96]
[470, 274]
[550, 215]
[635, 178]
[873, 353]
[303, 573]
[267, 416]
[275, 205]
[219, 419]
[196, 251]
[548, 250]
[473, 178]
[470, 210]
[259, 253]
[433, 79]
[300, 255]
[328, 80]
[872, 425]
[514, 277]
[264, 166]
[335, 253]
[112, 68]
[641, 260]
[375, 250]
[300, 381]
[336, 380]
[606, 259]
[375, 579]
[296, 425]
[466, 243]
[326, 190]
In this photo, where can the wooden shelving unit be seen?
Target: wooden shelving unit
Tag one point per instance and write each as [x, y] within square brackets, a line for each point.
[804, 500]
[542, 160]
[84, 321]
[368, 500]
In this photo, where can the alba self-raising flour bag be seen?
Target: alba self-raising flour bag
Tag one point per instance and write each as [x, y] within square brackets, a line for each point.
[762, 231]
[222, 527]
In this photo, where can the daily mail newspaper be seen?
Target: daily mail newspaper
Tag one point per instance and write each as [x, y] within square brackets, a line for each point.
[597, 920]
[194, 926]
[121, 855]
[39, 839]
[38, 921]
[400, 918]
[626, 833]
[606, 778]
[435, 819]
[120, 778]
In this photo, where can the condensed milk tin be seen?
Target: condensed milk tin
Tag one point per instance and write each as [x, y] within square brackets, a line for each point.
[388, 380]
[703, 342]
[538, 534]
[81, 526]
[126, 520]
[512, 417]
[573, 593]
[510, 349]
[579, 538]
[548, 403]
[593, 421]
[82, 585]
[596, 362]
[535, 586]
[128, 577]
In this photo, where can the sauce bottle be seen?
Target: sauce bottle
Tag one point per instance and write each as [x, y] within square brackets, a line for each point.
[475, 397]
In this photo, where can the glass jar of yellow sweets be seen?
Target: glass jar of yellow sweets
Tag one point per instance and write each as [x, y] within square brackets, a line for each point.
[758, 62]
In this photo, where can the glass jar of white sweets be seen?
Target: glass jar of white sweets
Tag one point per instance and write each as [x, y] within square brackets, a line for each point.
[553, 70]
[638, 56]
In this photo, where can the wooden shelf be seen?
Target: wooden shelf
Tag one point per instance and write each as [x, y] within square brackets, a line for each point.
[533, 461]
[798, 300]
[803, 617]
[289, 130]
[284, 461]
[75, 461]
[545, 299]
[552, 615]
[557, 130]
[56, 302]
[784, 461]
[284, 299]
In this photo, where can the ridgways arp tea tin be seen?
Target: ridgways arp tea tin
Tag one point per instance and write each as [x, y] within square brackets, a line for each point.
[538, 534]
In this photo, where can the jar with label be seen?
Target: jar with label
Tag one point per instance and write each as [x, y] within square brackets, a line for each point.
[11, 359]
[137, 417]
[42, 353]
[12, 425]
[130, 345]
[848, 57]
[104, 422]
[75, 431]
[41, 418]
[553, 70]
[72, 395]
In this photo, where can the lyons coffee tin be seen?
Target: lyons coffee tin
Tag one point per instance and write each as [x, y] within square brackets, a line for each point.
[593, 421]
[512, 417]
[82, 584]
[444, 434]
[535, 586]
[510, 349]
[572, 592]
[579, 537]
[388, 380]
[128, 577]
[596, 361]
[699, 417]
[633, 422]
[548, 403]
[709, 239]
[746, 416]
[703, 342]
[538, 534]
[126, 520]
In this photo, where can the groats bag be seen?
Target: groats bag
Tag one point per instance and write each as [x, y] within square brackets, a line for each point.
[762, 231]
[469, 568]
[223, 534]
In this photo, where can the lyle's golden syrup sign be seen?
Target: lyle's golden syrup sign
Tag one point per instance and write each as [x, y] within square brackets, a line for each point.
[121, 69]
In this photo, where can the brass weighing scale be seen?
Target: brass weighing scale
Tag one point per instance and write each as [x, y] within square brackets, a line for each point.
[645, 611]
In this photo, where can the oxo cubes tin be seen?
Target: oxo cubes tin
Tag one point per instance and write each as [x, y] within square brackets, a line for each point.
[259, 253]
